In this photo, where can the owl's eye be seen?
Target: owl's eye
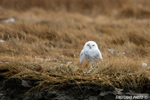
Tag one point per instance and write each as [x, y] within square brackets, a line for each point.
[93, 45]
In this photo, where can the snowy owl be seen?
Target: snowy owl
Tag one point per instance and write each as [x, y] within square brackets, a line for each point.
[90, 52]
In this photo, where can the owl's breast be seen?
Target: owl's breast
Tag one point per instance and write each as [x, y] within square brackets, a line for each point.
[86, 52]
[90, 53]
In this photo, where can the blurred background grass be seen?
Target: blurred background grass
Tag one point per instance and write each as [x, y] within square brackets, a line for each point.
[91, 7]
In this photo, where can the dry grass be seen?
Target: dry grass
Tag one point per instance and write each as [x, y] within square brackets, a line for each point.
[44, 45]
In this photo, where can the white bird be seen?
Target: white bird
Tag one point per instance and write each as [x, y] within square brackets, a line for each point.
[90, 52]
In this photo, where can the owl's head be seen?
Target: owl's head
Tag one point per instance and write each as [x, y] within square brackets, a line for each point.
[90, 45]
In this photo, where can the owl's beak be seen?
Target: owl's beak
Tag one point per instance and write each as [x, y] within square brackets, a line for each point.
[89, 45]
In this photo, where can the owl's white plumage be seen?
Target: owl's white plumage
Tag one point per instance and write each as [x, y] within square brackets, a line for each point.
[90, 52]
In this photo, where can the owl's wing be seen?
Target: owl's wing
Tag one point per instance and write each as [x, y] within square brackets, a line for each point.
[98, 56]
[82, 56]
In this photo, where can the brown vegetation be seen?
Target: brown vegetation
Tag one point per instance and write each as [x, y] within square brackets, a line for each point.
[44, 45]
